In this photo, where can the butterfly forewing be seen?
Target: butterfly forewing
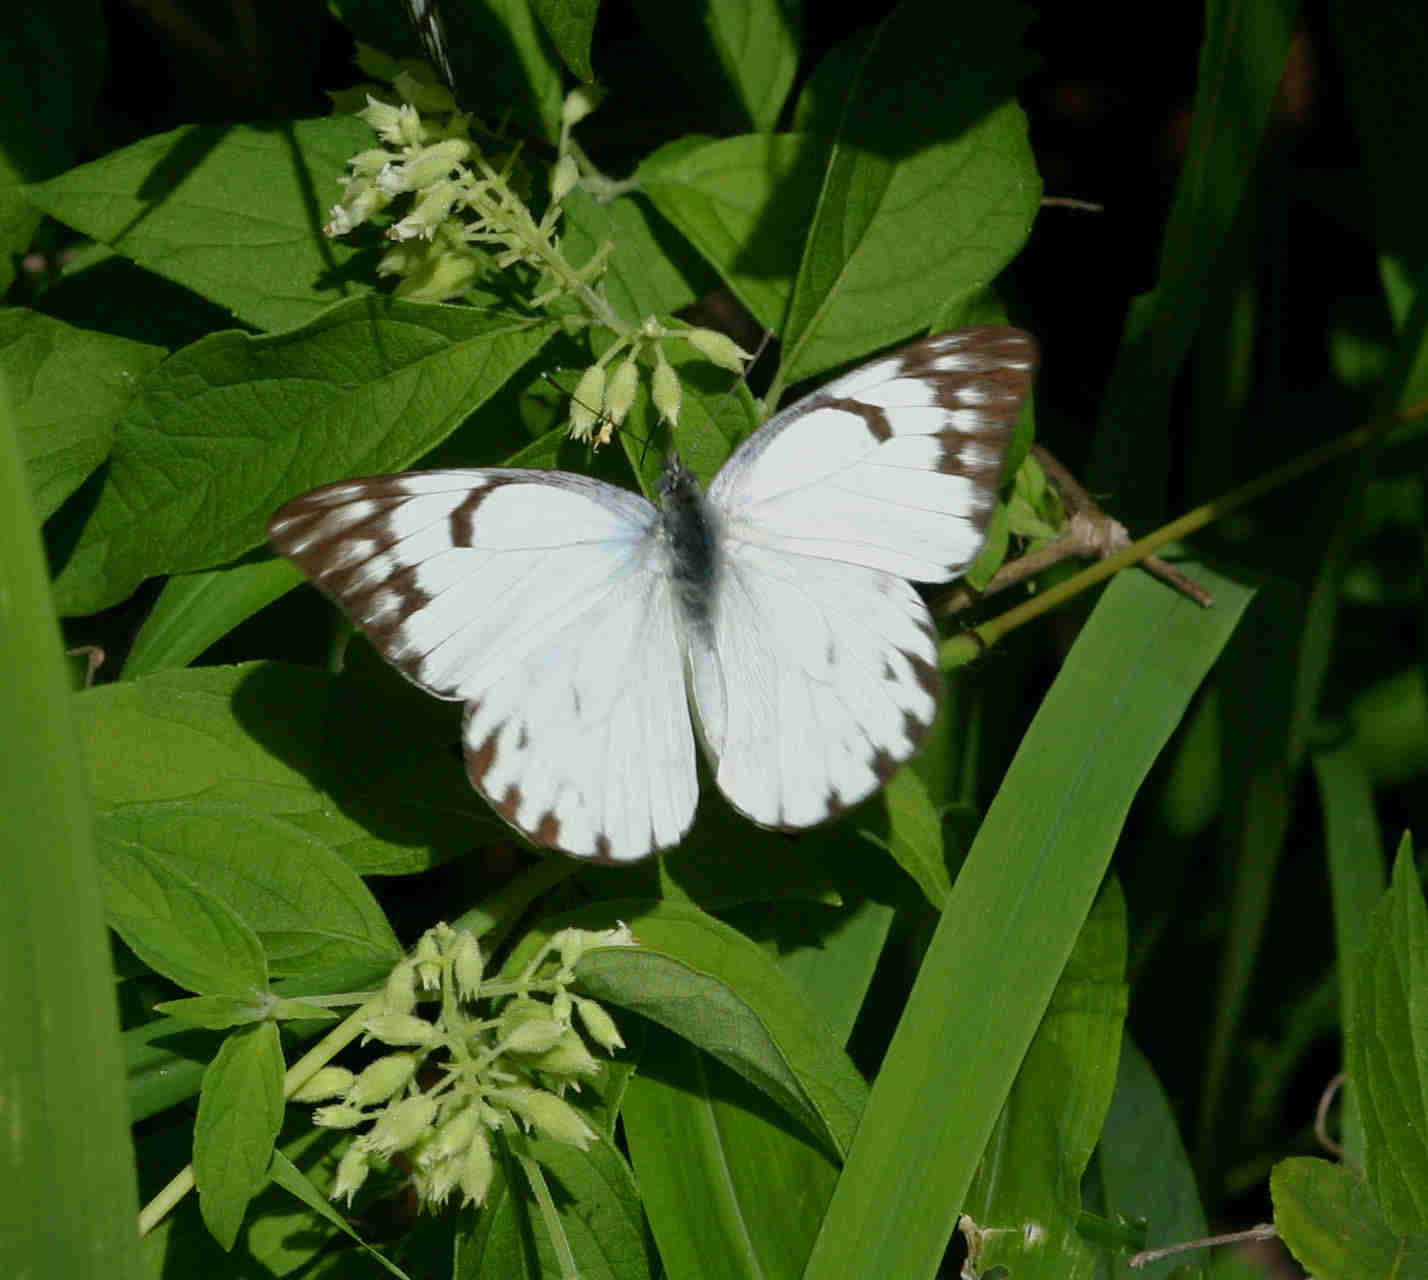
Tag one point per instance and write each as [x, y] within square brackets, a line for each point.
[542, 601]
[895, 465]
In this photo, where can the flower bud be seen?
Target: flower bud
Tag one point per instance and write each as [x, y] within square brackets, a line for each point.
[586, 401]
[381, 1079]
[476, 1171]
[620, 393]
[563, 178]
[467, 965]
[599, 1024]
[400, 1028]
[715, 346]
[454, 1136]
[326, 1082]
[401, 1125]
[579, 103]
[339, 1116]
[534, 1036]
[568, 1058]
[553, 1116]
[428, 960]
[665, 390]
[396, 126]
[352, 1172]
[399, 991]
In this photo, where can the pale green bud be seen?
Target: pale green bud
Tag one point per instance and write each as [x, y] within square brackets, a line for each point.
[401, 1125]
[665, 390]
[561, 1006]
[442, 275]
[352, 1172]
[586, 401]
[339, 1116]
[381, 1079]
[563, 178]
[452, 1138]
[396, 126]
[535, 1036]
[400, 1028]
[467, 965]
[553, 1116]
[440, 1181]
[428, 960]
[579, 103]
[368, 164]
[620, 393]
[477, 1169]
[599, 1024]
[715, 346]
[427, 167]
[399, 991]
[431, 211]
[326, 1082]
[568, 1057]
[354, 210]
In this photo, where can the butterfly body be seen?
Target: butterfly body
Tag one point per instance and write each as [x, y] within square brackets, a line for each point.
[590, 633]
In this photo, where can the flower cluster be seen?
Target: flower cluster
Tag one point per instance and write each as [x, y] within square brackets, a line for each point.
[463, 217]
[458, 1078]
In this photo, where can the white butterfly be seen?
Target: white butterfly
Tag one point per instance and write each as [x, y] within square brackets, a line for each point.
[582, 626]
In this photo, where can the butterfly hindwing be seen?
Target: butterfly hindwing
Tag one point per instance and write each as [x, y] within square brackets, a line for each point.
[895, 465]
[541, 601]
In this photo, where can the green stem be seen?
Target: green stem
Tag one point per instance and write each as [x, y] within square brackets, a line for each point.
[553, 1226]
[959, 649]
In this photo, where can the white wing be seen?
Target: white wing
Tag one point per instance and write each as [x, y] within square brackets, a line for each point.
[817, 676]
[818, 680]
[895, 466]
[542, 600]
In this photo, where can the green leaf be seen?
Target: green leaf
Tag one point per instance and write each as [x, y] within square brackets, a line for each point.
[226, 430]
[196, 610]
[1387, 1056]
[710, 985]
[1143, 1170]
[234, 213]
[931, 187]
[270, 787]
[1025, 1201]
[915, 836]
[175, 926]
[240, 1110]
[69, 386]
[745, 204]
[737, 56]
[1327, 1216]
[1015, 912]
[64, 1085]
[599, 1211]
[729, 1192]
[570, 24]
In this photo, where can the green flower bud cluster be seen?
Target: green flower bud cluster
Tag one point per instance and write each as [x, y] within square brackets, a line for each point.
[462, 1075]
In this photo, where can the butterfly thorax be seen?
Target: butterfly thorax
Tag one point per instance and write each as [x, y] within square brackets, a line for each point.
[691, 539]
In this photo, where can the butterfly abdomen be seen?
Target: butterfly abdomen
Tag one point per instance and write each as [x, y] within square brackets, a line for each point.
[691, 537]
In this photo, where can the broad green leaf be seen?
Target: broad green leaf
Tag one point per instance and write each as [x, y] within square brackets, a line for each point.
[570, 24]
[1387, 1056]
[745, 204]
[738, 56]
[713, 987]
[1142, 1167]
[195, 610]
[225, 431]
[1327, 1216]
[930, 190]
[295, 766]
[1390, 720]
[174, 925]
[240, 1110]
[1016, 910]
[1025, 1201]
[64, 1083]
[234, 213]
[218, 1013]
[68, 387]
